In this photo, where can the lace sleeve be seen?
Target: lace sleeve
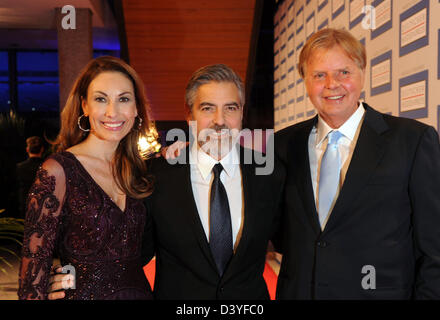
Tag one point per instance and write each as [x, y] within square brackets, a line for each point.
[41, 229]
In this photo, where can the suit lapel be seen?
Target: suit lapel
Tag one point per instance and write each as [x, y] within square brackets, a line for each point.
[367, 155]
[184, 174]
[298, 160]
[247, 171]
[248, 190]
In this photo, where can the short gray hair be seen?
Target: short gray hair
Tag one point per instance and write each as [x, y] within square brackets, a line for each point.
[216, 73]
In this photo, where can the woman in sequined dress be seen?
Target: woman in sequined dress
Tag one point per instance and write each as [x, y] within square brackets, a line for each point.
[85, 204]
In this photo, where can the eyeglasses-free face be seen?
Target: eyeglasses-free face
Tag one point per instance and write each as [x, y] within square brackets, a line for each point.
[110, 106]
[334, 83]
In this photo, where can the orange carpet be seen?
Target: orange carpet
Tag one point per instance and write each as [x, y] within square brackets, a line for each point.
[269, 275]
[149, 271]
[271, 280]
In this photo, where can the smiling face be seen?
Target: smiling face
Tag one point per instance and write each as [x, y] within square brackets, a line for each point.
[334, 83]
[218, 115]
[110, 106]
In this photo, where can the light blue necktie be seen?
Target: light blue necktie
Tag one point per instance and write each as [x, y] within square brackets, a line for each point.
[329, 176]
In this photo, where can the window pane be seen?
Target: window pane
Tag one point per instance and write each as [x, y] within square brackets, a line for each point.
[4, 97]
[38, 83]
[42, 97]
[99, 53]
[4, 82]
[37, 61]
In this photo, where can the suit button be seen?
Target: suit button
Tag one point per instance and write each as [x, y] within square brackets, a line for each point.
[322, 244]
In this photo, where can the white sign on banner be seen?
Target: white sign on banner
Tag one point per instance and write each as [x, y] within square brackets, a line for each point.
[413, 96]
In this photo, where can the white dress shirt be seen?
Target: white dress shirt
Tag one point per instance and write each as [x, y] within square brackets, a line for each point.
[201, 179]
[318, 143]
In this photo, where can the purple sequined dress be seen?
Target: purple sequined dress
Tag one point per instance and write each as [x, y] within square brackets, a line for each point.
[69, 214]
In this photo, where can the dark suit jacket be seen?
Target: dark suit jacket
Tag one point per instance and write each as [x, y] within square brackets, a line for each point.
[387, 216]
[185, 268]
[25, 175]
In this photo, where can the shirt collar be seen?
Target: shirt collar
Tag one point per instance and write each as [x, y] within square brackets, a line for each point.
[348, 129]
[205, 162]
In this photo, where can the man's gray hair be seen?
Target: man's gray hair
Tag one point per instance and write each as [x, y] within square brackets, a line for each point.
[215, 73]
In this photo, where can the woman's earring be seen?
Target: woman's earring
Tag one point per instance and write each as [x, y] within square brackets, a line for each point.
[79, 123]
[140, 122]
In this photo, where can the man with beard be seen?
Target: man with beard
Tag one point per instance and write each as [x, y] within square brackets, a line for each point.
[213, 209]
[212, 214]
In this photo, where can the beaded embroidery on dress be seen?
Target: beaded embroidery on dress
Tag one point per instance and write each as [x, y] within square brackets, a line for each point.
[69, 214]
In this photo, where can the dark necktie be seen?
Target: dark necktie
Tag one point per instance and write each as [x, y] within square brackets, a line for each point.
[220, 229]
